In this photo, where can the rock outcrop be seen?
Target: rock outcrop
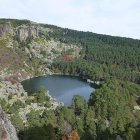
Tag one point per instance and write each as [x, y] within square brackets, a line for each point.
[25, 32]
[5, 29]
[7, 130]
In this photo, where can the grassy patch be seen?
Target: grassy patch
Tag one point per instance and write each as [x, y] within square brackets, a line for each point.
[3, 42]
[40, 41]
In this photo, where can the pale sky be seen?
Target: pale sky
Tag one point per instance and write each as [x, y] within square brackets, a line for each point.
[112, 17]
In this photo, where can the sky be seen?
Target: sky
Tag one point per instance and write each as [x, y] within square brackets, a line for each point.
[112, 17]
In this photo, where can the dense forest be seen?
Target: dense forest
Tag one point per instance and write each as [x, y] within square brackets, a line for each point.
[115, 61]
[102, 56]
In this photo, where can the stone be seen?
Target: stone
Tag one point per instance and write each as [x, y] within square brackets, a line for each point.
[107, 123]
[136, 107]
[119, 137]
[7, 130]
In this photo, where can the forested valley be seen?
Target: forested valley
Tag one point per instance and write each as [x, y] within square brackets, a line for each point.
[109, 113]
[113, 110]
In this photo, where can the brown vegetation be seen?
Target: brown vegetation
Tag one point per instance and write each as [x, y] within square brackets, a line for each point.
[4, 136]
[72, 136]
[9, 59]
[13, 78]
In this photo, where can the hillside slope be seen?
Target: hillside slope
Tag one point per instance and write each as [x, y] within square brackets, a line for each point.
[30, 44]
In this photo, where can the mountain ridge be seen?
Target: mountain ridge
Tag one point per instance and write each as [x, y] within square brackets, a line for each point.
[52, 25]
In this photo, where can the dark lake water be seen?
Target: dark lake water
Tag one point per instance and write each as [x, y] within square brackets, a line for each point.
[63, 88]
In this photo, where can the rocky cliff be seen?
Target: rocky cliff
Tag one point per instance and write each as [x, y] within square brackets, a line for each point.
[25, 32]
[5, 29]
[7, 130]
[25, 44]
[22, 32]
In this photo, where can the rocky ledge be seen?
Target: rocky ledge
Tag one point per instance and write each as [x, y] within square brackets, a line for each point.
[7, 130]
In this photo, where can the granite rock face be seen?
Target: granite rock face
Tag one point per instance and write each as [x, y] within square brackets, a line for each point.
[23, 32]
[5, 29]
[27, 32]
[7, 130]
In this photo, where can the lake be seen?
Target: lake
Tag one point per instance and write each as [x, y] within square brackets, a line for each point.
[63, 88]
